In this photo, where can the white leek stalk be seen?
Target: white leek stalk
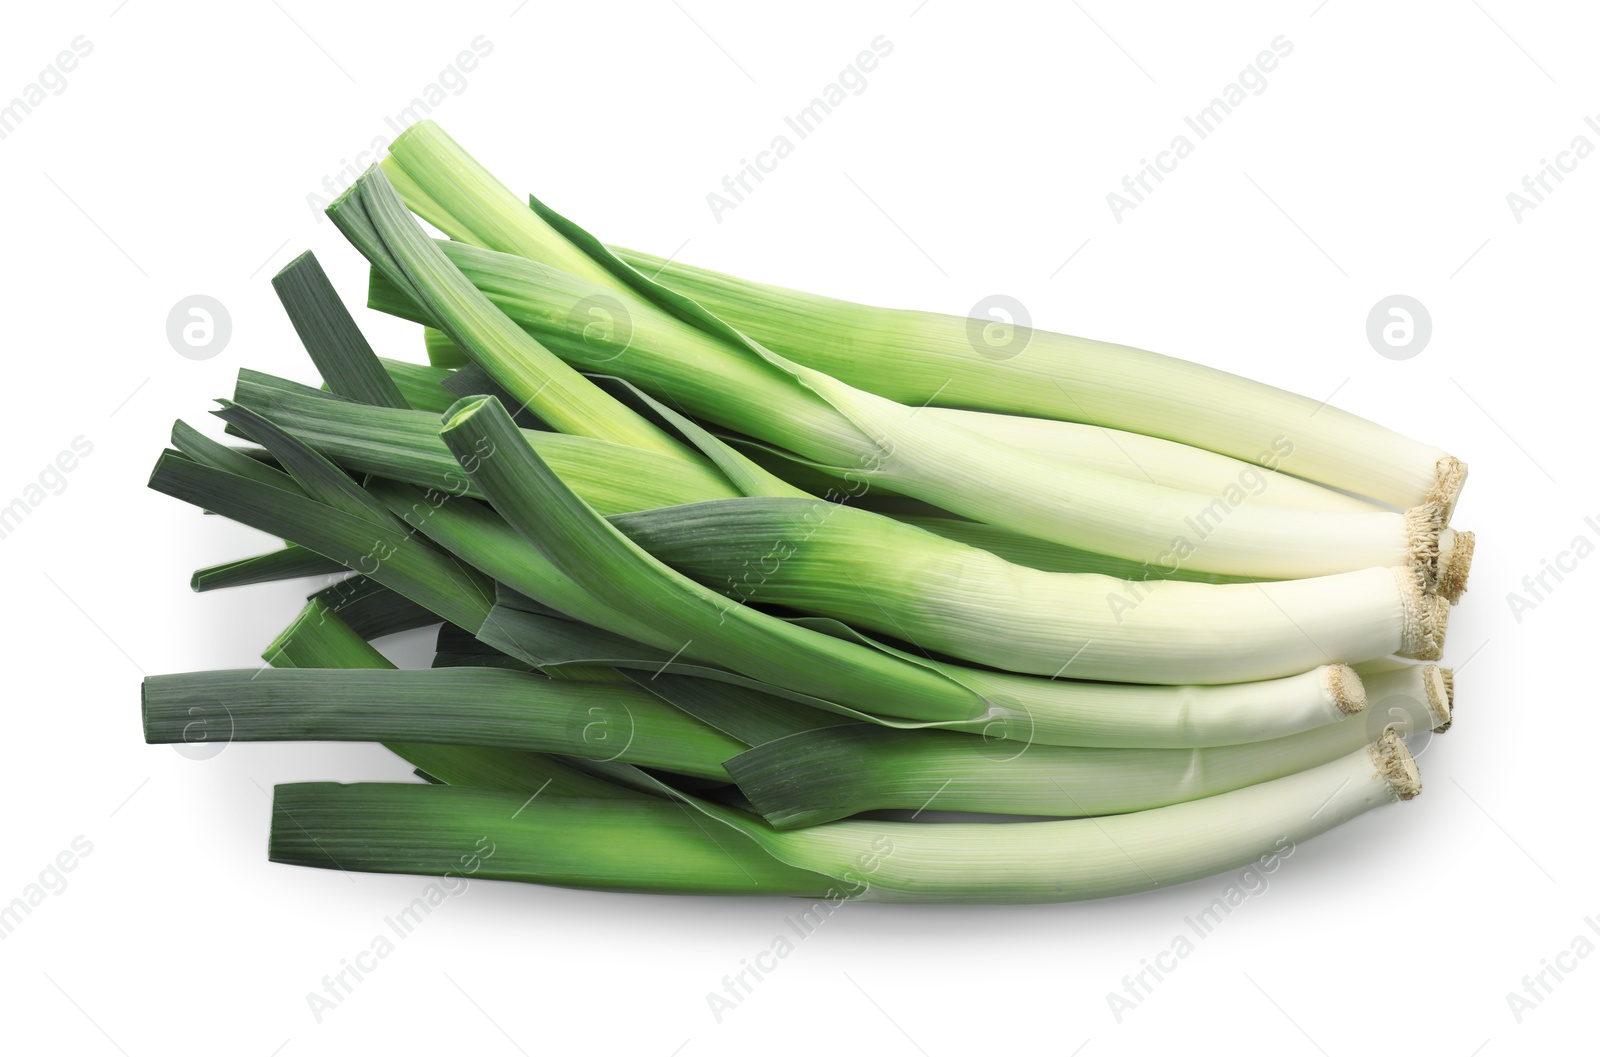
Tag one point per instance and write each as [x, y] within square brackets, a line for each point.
[1164, 462]
[1028, 709]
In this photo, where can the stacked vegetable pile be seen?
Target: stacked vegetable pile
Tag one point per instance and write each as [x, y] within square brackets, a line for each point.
[741, 589]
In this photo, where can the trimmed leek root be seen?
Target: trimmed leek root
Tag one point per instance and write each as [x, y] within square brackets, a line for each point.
[1455, 561]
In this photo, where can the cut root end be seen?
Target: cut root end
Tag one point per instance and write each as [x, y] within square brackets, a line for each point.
[1455, 561]
[1426, 617]
[1450, 475]
[1437, 689]
[1344, 688]
[1396, 766]
[1447, 680]
[1424, 525]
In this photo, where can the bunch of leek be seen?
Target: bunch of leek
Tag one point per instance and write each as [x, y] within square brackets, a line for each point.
[740, 589]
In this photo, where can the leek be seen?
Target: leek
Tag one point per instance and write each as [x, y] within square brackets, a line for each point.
[660, 846]
[924, 357]
[958, 600]
[821, 775]
[1035, 862]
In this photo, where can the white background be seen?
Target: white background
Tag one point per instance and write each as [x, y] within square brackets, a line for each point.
[178, 160]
